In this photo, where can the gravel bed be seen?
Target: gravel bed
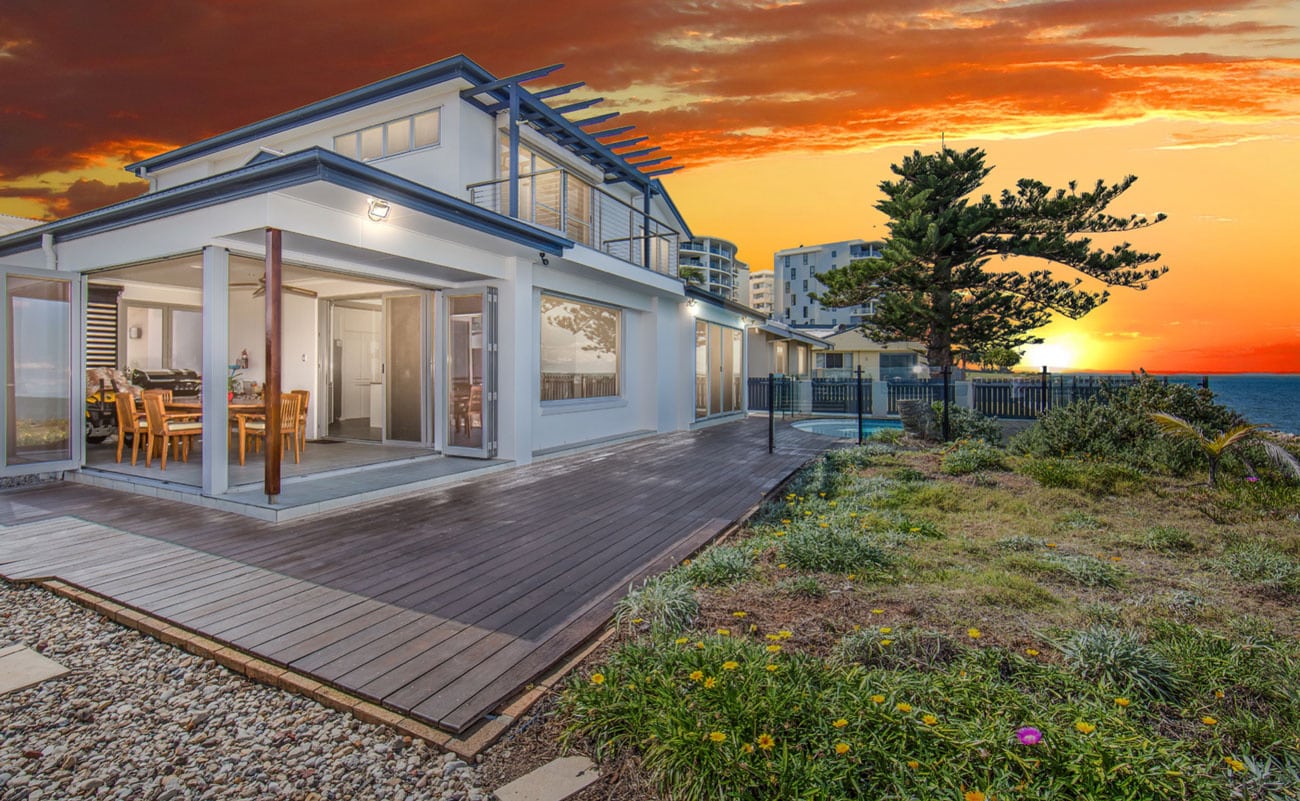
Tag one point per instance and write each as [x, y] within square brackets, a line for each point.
[139, 720]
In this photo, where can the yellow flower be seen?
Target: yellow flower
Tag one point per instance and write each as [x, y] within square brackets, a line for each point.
[824, 525]
[710, 683]
[717, 737]
[638, 620]
[1051, 545]
[878, 699]
[852, 576]
[841, 748]
[885, 629]
[1122, 701]
[597, 678]
[1209, 721]
[974, 795]
[1031, 651]
[686, 562]
[773, 637]
[929, 720]
[914, 529]
[853, 514]
[772, 668]
[833, 503]
[738, 613]
[779, 534]
[841, 723]
[682, 640]
[747, 748]
[877, 611]
[753, 627]
[973, 633]
[903, 707]
[785, 634]
[773, 648]
[724, 632]
[787, 521]
[696, 675]
[730, 664]
[913, 764]
[1085, 728]
[781, 566]
[886, 642]
[699, 643]
[766, 742]
[1218, 693]
[1235, 764]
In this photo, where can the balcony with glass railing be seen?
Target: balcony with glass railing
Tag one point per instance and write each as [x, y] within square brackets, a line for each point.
[562, 201]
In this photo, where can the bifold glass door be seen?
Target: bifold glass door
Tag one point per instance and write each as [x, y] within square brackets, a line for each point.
[406, 383]
[471, 373]
[43, 428]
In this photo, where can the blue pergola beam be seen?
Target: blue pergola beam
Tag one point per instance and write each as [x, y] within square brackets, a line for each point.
[631, 154]
[502, 83]
[596, 120]
[612, 132]
[636, 140]
[559, 90]
[579, 106]
[650, 162]
[664, 171]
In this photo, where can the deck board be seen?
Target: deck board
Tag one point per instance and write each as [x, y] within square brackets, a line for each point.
[441, 604]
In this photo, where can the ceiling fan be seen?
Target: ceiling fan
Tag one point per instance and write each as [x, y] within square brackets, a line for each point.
[259, 288]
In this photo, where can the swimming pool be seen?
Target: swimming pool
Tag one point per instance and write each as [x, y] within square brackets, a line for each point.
[845, 428]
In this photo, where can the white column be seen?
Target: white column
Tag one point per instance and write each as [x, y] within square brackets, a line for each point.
[216, 357]
[517, 364]
[879, 398]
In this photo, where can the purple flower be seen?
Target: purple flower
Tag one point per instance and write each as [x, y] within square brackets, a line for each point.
[1029, 735]
[1252, 479]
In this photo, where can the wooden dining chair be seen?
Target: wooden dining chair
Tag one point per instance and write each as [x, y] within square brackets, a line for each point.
[130, 420]
[253, 426]
[165, 394]
[176, 430]
[304, 396]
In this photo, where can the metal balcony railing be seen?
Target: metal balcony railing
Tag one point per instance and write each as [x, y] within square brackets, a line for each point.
[564, 202]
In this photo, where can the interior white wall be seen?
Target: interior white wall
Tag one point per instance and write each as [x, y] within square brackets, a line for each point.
[299, 358]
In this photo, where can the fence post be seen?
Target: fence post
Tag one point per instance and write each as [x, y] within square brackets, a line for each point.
[771, 412]
[947, 428]
[1205, 382]
[859, 404]
[1047, 398]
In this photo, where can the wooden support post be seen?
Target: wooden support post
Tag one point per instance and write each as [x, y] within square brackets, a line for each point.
[274, 442]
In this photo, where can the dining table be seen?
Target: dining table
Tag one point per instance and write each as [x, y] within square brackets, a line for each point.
[240, 404]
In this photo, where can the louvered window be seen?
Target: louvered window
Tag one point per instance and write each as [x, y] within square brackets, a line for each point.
[101, 326]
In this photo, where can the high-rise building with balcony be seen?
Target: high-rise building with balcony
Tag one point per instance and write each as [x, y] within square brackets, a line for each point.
[720, 271]
[796, 271]
[761, 292]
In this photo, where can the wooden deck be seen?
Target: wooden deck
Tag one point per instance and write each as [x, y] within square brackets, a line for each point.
[439, 605]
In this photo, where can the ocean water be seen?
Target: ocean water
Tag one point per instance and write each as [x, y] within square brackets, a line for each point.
[1271, 399]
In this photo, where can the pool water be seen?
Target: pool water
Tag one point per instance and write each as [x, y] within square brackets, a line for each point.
[845, 428]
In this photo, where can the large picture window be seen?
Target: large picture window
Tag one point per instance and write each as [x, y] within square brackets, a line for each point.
[580, 349]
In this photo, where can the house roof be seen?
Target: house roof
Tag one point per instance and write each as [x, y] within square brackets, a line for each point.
[458, 66]
[305, 166]
[693, 291]
[783, 331]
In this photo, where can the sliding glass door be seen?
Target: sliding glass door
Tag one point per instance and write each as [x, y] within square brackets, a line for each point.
[42, 406]
[471, 373]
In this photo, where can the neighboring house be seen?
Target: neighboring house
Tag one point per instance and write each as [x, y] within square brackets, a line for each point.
[465, 269]
[851, 349]
[775, 347]
[761, 291]
[796, 271]
[714, 261]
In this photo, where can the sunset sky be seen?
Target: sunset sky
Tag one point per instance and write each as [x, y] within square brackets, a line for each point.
[784, 115]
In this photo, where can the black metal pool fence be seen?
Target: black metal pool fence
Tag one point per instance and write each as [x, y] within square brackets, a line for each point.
[1018, 397]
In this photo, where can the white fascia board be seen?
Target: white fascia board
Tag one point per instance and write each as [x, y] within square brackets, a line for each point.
[622, 270]
[323, 222]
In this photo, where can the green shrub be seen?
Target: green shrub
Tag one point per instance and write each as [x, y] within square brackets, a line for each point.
[1115, 425]
[1268, 569]
[1083, 569]
[832, 550]
[849, 458]
[966, 423]
[906, 474]
[664, 602]
[1119, 662]
[1089, 476]
[1080, 521]
[895, 650]
[1165, 539]
[721, 565]
[886, 436]
[971, 456]
[1021, 542]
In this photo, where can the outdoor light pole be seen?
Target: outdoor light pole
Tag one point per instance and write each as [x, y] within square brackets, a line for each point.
[771, 412]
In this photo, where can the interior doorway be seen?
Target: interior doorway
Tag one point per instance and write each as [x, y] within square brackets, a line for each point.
[356, 391]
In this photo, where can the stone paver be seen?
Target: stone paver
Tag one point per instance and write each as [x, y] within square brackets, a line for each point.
[21, 667]
[555, 781]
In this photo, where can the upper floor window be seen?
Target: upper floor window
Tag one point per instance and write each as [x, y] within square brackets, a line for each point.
[787, 261]
[392, 137]
[805, 258]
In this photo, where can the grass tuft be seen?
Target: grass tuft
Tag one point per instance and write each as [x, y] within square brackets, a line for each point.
[1118, 661]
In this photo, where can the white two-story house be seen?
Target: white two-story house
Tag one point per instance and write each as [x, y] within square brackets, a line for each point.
[467, 268]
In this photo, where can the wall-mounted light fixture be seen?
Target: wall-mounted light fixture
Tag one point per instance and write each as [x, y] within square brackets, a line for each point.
[378, 210]
[541, 255]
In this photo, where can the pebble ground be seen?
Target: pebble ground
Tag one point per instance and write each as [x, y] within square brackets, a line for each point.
[138, 720]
